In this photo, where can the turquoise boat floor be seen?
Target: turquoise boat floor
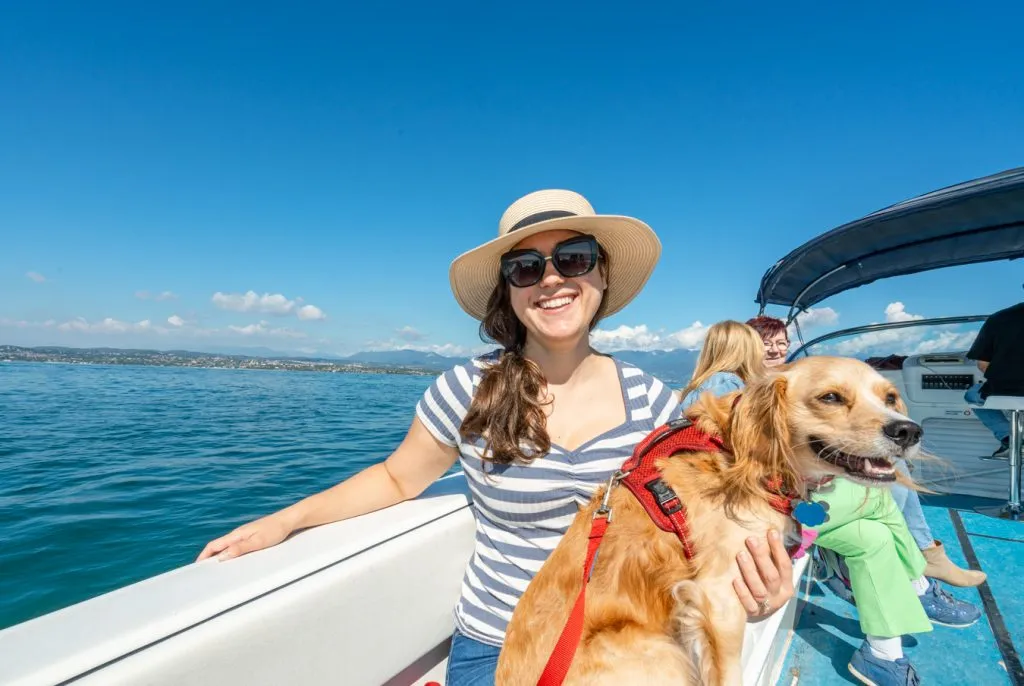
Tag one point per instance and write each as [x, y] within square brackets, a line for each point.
[828, 632]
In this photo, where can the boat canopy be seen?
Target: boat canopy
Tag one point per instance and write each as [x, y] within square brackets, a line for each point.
[975, 221]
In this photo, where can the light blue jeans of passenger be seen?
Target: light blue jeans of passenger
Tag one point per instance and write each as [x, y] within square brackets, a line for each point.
[471, 662]
[910, 505]
[995, 420]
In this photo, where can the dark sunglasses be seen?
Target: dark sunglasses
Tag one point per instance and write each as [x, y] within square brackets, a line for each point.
[572, 257]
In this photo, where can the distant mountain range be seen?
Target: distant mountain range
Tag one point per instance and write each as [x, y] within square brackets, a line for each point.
[671, 366]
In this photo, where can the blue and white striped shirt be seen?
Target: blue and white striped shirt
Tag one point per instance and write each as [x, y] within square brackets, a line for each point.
[523, 510]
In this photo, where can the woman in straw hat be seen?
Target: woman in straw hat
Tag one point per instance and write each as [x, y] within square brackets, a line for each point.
[537, 425]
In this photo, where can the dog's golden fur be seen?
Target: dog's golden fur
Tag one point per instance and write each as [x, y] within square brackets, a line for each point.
[652, 616]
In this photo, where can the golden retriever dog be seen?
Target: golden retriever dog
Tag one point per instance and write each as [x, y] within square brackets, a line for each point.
[654, 617]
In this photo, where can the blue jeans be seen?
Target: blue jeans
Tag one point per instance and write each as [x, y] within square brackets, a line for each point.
[910, 505]
[995, 420]
[471, 662]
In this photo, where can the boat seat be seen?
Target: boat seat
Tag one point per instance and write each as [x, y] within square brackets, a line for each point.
[1014, 405]
[1011, 403]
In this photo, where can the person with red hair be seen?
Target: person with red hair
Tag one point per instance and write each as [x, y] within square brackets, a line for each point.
[776, 339]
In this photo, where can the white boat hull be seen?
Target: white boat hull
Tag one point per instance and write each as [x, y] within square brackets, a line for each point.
[365, 601]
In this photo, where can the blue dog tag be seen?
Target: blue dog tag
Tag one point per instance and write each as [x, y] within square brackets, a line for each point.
[810, 513]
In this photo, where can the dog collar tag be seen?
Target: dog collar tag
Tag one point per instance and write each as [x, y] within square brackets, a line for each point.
[810, 513]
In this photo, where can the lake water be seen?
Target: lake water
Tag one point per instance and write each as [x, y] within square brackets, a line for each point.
[109, 475]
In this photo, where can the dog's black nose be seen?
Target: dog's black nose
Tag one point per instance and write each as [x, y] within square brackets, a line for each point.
[903, 433]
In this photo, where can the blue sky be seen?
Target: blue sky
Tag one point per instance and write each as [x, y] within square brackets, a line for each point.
[160, 164]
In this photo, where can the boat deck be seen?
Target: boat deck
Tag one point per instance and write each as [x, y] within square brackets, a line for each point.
[828, 632]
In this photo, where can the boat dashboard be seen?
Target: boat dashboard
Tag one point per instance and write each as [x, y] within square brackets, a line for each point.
[931, 378]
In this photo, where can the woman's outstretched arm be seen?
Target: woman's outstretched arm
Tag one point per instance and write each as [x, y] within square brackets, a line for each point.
[419, 461]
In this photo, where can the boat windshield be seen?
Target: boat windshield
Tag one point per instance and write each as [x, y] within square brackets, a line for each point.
[878, 342]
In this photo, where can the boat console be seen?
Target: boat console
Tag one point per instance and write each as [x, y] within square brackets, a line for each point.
[956, 442]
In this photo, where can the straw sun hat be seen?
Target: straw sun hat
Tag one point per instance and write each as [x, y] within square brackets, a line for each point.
[633, 248]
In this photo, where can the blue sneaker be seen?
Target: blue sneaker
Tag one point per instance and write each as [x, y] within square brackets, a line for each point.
[874, 671]
[944, 609]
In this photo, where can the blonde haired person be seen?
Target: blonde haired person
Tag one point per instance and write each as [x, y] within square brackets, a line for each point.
[732, 356]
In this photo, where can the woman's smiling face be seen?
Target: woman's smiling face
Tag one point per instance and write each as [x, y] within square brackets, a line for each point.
[775, 349]
[557, 308]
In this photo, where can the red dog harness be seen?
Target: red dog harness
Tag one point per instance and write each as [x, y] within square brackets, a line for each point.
[643, 479]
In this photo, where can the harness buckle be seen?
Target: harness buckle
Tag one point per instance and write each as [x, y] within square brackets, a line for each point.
[663, 494]
[613, 481]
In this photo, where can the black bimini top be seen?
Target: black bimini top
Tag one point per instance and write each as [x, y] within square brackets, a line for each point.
[976, 221]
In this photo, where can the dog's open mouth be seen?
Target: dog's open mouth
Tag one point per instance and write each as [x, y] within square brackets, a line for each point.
[870, 468]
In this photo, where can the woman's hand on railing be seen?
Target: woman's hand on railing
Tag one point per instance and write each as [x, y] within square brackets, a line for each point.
[767, 576]
[256, 535]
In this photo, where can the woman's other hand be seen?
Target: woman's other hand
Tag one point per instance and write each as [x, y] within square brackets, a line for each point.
[766, 583]
[257, 535]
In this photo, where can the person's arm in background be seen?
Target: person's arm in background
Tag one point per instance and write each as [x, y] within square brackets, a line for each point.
[981, 349]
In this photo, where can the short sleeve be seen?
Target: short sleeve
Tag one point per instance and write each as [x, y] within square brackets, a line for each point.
[724, 382]
[445, 403]
[981, 349]
[664, 401]
[718, 384]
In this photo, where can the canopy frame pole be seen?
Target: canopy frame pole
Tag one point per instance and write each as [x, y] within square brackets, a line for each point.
[794, 308]
[799, 333]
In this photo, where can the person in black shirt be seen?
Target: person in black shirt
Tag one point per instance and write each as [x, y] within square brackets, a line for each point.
[999, 352]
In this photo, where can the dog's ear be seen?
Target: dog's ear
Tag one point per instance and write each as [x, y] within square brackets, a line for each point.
[760, 434]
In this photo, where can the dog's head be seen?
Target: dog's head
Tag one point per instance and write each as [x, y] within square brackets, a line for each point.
[819, 417]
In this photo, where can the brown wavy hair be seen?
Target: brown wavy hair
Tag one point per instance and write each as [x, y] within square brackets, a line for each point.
[507, 410]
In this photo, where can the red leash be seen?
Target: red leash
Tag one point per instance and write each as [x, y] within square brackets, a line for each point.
[561, 658]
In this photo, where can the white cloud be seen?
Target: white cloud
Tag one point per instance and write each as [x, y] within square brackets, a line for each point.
[264, 329]
[311, 313]
[896, 312]
[178, 327]
[820, 316]
[642, 338]
[624, 338]
[108, 325]
[35, 276]
[446, 349]
[691, 338]
[146, 295]
[274, 304]
[947, 340]
[407, 333]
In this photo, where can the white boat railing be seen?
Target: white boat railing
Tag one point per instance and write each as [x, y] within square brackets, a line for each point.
[364, 601]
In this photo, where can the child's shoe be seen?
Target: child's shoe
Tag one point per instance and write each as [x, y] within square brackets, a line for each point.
[874, 671]
[944, 609]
